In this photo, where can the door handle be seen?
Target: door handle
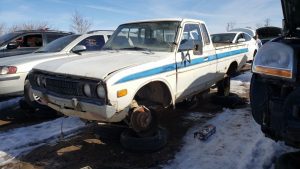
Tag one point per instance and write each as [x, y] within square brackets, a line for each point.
[206, 59]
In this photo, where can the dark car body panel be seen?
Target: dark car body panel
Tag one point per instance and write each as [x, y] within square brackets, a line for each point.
[275, 100]
[291, 13]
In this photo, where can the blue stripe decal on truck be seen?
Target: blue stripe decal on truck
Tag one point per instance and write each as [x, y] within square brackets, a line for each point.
[171, 67]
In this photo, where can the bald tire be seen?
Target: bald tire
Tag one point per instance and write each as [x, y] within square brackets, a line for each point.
[132, 142]
[224, 87]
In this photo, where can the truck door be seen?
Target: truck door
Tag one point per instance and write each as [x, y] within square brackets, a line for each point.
[195, 68]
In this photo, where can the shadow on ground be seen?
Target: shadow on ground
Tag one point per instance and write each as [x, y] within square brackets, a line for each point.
[19, 115]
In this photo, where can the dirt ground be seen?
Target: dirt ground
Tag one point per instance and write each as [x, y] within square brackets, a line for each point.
[98, 147]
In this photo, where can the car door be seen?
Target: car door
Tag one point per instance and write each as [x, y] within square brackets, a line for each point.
[24, 44]
[193, 67]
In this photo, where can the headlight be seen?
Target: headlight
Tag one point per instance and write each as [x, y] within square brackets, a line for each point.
[87, 90]
[7, 70]
[275, 59]
[100, 91]
[38, 80]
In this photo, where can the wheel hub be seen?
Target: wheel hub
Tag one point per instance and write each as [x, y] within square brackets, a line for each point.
[141, 119]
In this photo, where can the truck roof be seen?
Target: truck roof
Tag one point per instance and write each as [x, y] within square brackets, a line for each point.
[168, 19]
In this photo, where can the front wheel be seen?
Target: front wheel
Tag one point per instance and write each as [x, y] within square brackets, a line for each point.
[224, 87]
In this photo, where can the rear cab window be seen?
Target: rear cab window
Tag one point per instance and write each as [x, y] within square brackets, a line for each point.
[205, 34]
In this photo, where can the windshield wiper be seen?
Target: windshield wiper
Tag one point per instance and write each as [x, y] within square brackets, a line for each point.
[41, 51]
[136, 48]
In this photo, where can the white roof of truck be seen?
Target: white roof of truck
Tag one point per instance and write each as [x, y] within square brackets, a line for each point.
[168, 19]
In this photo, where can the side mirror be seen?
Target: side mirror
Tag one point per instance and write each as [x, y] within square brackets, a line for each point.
[12, 45]
[241, 40]
[79, 48]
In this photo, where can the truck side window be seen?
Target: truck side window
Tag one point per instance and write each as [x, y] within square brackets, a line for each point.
[93, 43]
[191, 37]
[205, 34]
[32, 40]
[239, 37]
[247, 37]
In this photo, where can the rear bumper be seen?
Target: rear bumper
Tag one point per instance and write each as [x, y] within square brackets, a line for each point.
[82, 109]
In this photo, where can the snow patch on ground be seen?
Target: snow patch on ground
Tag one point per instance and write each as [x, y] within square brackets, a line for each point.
[9, 103]
[240, 84]
[237, 144]
[21, 140]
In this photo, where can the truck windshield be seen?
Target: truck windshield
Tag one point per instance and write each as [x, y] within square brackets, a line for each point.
[8, 37]
[223, 37]
[58, 44]
[152, 36]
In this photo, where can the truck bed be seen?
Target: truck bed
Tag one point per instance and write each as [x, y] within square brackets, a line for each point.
[219, 46]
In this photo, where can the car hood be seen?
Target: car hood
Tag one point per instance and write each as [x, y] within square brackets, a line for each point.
[99, 64]
[291, 13]
[23, 59]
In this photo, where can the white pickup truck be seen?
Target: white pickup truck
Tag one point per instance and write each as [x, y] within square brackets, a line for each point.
[144, 65]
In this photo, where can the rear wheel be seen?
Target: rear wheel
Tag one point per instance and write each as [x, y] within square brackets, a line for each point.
[224, 87]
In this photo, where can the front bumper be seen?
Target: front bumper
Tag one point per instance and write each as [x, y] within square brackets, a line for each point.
[276, 107]
[82, 109]
[12, 84]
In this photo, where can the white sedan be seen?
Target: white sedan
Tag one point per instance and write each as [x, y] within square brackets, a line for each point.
[237, 37]
[14, 70]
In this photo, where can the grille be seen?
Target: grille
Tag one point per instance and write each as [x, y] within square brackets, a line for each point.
[62, 86]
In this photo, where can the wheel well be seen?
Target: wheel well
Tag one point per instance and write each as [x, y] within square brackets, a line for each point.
[232, 68]
[156, 93]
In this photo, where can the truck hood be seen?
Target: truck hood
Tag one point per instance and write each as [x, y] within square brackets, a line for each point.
[291, 13]
[31, 57]
[99, 64]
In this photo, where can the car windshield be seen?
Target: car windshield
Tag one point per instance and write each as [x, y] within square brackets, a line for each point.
[223, 37]
[58, 44]
[8, 36]
[152, 36]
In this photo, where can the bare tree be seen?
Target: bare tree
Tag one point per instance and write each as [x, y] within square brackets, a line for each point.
[2, 28]
[230, 25]
[79, 23]
[267, 22]
[258, 25]
[29, 26]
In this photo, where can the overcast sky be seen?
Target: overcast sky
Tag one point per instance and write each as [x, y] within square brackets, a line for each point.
[108, 14]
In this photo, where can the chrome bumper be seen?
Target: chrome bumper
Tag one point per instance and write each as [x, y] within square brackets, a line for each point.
[81, 109]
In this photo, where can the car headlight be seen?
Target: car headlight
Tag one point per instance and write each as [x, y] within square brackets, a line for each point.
[7, 70]
[275, 59]
[38, 80]
[87, 90]
[100, 91]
